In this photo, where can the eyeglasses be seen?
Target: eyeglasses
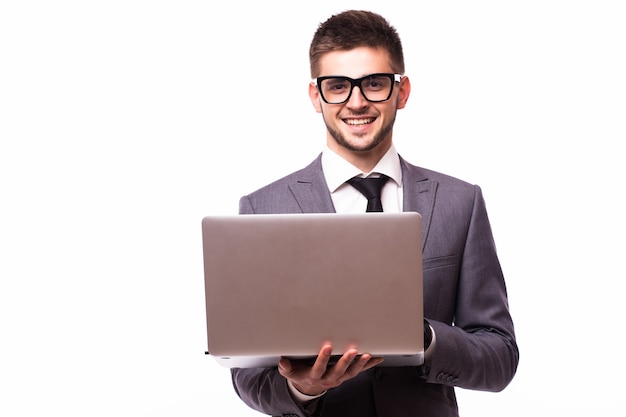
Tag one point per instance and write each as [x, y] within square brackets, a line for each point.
[374, 87]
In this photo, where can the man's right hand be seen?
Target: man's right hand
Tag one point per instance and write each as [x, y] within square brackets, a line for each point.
[318, 378]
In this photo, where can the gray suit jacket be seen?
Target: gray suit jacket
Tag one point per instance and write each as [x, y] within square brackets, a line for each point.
[465, 301]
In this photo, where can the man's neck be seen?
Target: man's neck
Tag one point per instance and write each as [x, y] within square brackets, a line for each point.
[363, 160]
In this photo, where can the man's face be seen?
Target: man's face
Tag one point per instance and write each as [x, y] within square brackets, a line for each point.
[358, 125]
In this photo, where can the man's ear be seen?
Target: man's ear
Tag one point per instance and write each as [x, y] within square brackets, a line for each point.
[314, 95]
[405, 91]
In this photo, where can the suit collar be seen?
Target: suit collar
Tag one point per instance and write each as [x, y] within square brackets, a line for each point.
[337, 170]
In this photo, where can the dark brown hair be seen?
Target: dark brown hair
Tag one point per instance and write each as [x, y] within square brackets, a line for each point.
[352, 29]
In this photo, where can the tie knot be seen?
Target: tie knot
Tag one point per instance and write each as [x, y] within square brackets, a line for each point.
[371, 188]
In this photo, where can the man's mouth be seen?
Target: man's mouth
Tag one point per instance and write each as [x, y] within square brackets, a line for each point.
[359, 122]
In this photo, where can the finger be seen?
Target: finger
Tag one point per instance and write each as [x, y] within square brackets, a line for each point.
[285, 368]
[367, 361]
[320, 365]
[356, 366]
[344, 362]
[361, 363]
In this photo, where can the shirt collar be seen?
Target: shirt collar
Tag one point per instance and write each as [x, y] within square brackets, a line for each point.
[337, 170]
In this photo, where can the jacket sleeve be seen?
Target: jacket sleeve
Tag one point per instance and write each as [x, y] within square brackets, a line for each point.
[476, 346]
[265, 390]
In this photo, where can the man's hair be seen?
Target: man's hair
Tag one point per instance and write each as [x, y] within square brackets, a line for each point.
[353, 29]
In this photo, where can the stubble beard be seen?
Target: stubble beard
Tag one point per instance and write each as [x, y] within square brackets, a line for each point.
[378, 138]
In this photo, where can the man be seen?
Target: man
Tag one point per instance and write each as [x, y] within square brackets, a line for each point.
[357, 65]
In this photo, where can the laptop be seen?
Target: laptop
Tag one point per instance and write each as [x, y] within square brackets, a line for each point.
[286, 284]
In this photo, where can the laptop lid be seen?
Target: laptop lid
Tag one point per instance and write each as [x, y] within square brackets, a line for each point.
[285, 284]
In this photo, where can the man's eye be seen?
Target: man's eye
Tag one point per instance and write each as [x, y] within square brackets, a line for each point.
[374, 83]
[337, 86]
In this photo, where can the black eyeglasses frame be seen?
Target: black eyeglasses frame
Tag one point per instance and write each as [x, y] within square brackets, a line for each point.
[395, 78]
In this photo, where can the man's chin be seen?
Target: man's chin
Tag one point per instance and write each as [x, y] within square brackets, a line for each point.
[357, 143]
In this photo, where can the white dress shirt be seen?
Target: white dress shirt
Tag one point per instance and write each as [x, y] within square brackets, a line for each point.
[348, 199]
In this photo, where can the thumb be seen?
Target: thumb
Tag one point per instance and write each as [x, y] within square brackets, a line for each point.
[284, 366]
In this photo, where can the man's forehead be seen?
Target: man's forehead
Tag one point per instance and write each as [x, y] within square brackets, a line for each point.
[355, 63]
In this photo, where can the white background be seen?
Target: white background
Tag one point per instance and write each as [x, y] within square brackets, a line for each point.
[123, 123]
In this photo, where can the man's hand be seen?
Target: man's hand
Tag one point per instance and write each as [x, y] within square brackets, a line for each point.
[320, 377]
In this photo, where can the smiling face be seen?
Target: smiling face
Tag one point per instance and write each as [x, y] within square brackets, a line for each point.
[358, 130]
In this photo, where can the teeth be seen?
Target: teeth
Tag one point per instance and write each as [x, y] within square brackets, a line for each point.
[357, 122]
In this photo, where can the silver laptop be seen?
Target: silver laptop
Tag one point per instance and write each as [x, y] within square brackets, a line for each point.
[286, 284]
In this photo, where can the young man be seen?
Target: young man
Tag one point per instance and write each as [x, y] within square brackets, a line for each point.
[357, 65]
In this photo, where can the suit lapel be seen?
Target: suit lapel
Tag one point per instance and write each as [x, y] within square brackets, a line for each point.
[310, 190]
[419, 194]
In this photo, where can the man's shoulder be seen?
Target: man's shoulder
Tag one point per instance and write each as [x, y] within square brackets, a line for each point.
[303, 190]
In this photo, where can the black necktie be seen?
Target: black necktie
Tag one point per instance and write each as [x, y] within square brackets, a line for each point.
[370, 187]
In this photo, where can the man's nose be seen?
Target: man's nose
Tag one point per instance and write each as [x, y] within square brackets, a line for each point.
[357, 99]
